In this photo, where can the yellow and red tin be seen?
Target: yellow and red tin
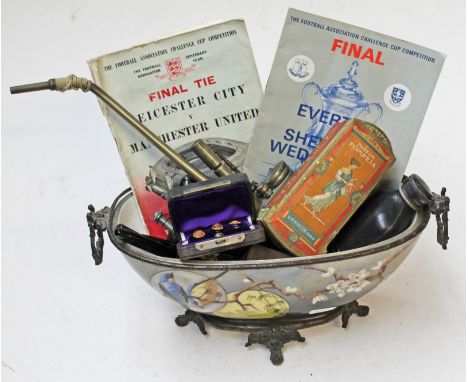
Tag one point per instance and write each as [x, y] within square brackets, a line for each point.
[309, 209]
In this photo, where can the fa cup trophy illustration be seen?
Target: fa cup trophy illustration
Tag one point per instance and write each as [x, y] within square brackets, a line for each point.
[343, 99]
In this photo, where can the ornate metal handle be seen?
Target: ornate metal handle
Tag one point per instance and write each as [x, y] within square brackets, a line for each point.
[97, 223]
[440, 206]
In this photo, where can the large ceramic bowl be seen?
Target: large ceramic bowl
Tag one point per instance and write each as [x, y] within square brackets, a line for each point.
[268, 288]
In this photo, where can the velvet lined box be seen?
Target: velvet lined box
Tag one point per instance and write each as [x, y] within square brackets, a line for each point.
[203, 211]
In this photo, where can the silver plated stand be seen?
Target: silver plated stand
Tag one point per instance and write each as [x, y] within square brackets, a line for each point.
[274, 333]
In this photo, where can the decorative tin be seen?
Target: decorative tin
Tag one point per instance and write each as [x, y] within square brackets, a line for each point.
[306, 212]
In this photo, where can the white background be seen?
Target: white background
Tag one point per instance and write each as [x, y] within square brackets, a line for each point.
[63, 319]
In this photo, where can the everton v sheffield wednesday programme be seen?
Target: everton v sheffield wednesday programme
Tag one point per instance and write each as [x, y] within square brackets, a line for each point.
[325, 72]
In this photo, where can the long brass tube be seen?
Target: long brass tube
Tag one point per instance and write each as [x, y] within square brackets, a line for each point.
[77, 83]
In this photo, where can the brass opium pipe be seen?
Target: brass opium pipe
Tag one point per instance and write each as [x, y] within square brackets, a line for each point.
[77, 83]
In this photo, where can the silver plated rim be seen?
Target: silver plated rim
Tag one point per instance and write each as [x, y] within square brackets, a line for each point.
[413, 231]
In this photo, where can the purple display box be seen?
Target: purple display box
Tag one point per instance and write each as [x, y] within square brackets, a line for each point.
[196, 208]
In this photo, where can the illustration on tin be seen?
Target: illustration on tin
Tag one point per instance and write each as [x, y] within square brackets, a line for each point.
[341, 186]
[341, 101]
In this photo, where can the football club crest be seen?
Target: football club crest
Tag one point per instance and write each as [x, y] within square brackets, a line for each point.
[397, 97]
[300, 68]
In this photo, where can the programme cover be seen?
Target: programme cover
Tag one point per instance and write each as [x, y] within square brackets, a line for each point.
[326, 71]
[198, 84]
